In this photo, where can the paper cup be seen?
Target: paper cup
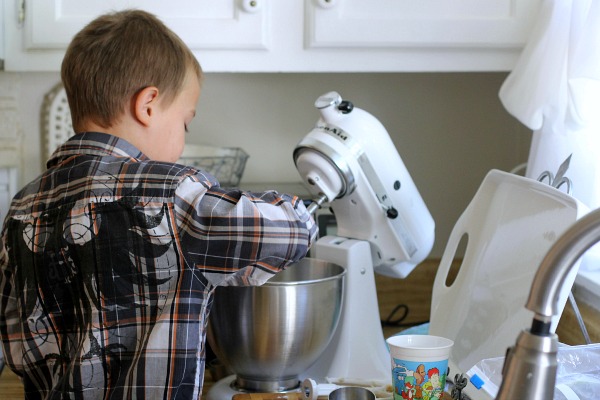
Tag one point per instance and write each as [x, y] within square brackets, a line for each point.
[419, 365]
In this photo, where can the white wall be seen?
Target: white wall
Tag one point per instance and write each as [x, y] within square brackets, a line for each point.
[450, 129]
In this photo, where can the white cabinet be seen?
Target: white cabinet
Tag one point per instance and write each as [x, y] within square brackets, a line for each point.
[296, 35]
[423, 35]
[41, 30]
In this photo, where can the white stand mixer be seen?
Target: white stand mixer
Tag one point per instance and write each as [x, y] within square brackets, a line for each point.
[383, 225]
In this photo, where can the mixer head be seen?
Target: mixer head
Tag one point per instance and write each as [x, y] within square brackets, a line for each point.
[349, 160]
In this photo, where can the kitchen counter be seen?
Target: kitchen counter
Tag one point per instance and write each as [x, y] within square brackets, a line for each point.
[415, 293]
[12, 389]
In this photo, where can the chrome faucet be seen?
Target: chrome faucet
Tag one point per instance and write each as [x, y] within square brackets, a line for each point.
[530, 367]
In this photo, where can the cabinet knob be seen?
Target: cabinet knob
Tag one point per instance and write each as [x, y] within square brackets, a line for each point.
[326, 3]
[252, 6]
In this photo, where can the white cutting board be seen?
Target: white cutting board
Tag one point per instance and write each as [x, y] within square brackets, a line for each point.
[510, 224]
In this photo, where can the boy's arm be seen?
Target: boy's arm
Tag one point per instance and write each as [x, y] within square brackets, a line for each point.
[241, 238]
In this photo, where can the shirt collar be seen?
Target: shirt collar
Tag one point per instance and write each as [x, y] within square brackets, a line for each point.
[95, 144]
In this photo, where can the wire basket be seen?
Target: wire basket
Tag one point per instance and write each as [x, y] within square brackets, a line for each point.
[224, 163]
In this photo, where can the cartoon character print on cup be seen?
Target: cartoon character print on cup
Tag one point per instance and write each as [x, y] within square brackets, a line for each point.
[417, 380]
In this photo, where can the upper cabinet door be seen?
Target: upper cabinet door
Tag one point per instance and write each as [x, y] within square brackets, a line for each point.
[422, 23]
[43, 29]
[425, 34]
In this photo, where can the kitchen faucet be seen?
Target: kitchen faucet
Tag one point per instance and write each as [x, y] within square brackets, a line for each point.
[530, 367]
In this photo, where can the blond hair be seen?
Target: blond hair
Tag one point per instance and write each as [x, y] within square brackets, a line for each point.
[117, 55]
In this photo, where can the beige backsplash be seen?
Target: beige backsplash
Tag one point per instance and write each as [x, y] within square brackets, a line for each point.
[450, 128]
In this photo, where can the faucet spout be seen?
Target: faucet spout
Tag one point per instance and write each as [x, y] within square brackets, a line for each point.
[530, 367]
[558, 262]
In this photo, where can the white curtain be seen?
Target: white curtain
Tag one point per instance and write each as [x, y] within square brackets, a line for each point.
[554, 89]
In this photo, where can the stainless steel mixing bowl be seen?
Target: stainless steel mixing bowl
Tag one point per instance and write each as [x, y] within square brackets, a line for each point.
[267, 335]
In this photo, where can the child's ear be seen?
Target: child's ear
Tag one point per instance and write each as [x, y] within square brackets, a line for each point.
[145, 105]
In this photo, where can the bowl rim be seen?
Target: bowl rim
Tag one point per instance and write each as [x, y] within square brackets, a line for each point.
[299, 264]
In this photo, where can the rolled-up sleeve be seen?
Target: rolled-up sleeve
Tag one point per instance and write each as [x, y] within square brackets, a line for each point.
[241, 238]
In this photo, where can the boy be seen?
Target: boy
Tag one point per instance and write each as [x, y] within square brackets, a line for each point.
[110, 258]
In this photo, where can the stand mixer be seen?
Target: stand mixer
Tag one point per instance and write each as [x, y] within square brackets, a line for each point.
[383, 225]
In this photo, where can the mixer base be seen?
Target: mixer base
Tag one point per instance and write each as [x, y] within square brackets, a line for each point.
[226, 388]
[222, 389]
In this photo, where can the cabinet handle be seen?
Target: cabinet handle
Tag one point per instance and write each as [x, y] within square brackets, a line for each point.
[326, 3]
[252, 6]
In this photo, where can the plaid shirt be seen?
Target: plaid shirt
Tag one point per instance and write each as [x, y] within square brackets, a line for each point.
[108, 265]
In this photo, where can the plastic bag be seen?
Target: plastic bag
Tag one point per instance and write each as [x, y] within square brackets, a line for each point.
[577, 376]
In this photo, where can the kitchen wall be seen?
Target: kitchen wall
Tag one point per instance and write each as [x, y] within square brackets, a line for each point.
[450, 129]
